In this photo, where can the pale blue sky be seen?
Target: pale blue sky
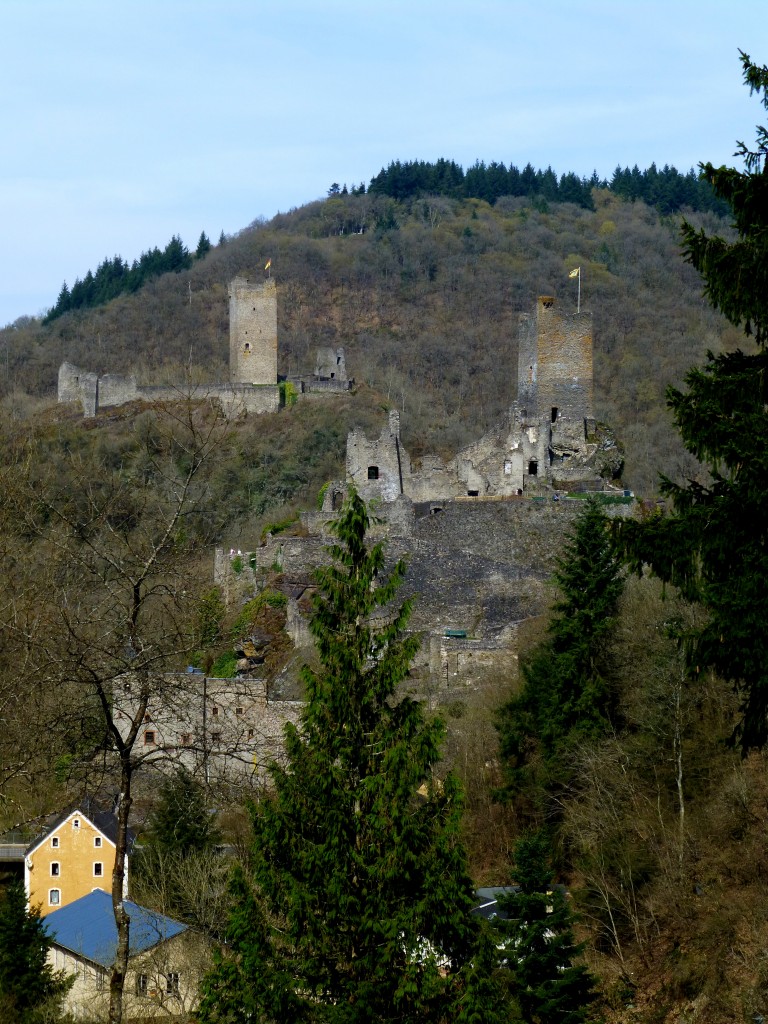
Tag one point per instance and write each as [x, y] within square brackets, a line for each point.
[125, 123]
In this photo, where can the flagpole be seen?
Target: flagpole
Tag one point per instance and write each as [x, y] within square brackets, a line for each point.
[576, 272]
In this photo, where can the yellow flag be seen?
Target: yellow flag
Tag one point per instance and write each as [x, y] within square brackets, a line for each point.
[575, 273]
[268, 264]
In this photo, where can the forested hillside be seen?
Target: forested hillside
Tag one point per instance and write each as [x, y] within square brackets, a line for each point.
[424, 295]
[613, 745]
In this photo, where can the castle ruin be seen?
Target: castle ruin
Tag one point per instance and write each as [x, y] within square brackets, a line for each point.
[548, 440]
[253, 379]
[480, 533]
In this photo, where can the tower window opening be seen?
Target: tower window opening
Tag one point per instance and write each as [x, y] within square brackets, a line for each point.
[533, 468]
[373, 472]
[554, 413]
[473, 494]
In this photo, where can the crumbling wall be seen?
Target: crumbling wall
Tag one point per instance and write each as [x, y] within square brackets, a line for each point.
[379, 468]
[117, 389]
[330, 364]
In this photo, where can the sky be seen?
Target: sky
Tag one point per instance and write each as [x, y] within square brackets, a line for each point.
[124, 123]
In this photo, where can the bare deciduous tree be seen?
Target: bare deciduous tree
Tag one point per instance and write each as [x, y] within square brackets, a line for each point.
[115, 538]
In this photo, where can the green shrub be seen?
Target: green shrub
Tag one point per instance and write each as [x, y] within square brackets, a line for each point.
[268, 598]
[279, 527]
[321, 495]
[225, 666]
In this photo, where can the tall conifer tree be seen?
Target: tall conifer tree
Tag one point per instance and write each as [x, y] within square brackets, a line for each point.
[566, 695]
[358, 906]
[714, 544]
[540, 949]
[30, 989]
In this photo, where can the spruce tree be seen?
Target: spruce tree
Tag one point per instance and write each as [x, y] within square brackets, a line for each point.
[357, 904]
[714, 543]
[180, 823]
[566, 696]
[203, 246]
[29, 986]
[538, 945]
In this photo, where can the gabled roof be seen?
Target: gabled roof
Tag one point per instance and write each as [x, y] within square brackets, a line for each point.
[487, 905]
[87, 928]
[103, 821]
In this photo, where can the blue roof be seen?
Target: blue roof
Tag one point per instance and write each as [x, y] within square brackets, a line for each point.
[87, 927]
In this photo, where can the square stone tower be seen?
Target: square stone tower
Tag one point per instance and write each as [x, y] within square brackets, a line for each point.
[555, 363]
[252, 332]
[554, 407]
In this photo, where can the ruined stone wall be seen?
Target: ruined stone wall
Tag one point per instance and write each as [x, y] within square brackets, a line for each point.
[242, 399]
[379, 468]
[456, 664]
[117, 389]
[69, 382]
[314, 388]
[252, 332]
[330, 364]
[527, 365]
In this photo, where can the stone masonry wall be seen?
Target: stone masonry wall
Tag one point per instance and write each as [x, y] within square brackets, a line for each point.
[330, 364]
[253, 332]
[565, 363]
[380, 468]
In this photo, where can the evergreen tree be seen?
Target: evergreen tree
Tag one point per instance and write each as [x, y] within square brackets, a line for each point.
[538, 945]
[203, 245]
[175, 256]
[566, 696]
[714, 544]
[181, 823]
[358, 909]
[29, 986]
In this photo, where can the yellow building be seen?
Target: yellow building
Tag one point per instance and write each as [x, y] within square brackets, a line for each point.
[75, 856]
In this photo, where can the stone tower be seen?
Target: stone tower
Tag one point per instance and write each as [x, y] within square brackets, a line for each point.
[555, 363]
[554, 391]
[252, 332]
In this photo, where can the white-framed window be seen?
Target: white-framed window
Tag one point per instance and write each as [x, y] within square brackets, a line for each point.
[97, 840]
[149, 737]
[239, 710]
[54, 897]
[75, 823]
[98, 869]
[142, 984]
[101, 977]
[55, 869]
[172, 983]
[55, 842]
